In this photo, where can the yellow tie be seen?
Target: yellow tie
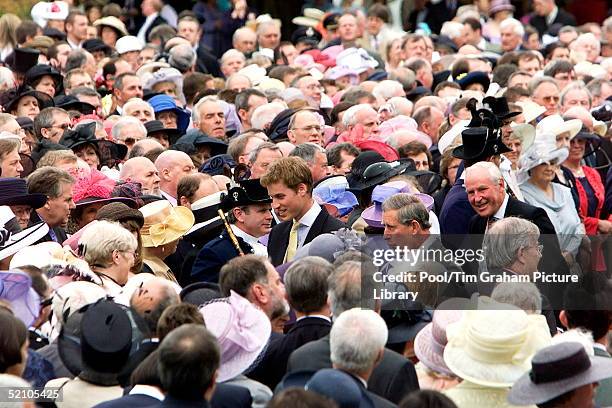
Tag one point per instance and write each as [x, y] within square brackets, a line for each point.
[293, 241]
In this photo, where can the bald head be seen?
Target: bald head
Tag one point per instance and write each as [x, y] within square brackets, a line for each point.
[141, 170]
[144, 146]
[152, 298]
[172, 165]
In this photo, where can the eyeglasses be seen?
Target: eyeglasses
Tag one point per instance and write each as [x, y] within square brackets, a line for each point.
[63, 126]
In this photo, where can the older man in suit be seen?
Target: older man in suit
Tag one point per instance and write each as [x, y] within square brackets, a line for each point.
[289, 183]
[393, 378]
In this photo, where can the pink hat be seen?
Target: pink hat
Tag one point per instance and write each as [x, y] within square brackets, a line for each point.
[403, 123]
[308, 62]
[321, 58]
[242, 331]
[16, 288]
[333, 51]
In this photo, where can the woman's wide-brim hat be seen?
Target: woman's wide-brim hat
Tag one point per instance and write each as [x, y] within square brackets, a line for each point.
[164, 223]
[13, 96]
[542, 151]
[242, 331]
[531, 110]
[525, 132]
[16, 288]
[113, 22]
[554, 124]
[11, 243]
[14, 191]
[493, 346]
[556, 370]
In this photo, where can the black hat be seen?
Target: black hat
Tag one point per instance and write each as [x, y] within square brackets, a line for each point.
[156, 126]
[479, 143]
[279, 125]
[54, 33]
[499, 107]
[10, 98]
[39, 71]
[418, 92]
[248, 192]
[378, 173]
[22, 59]
[195, 137]
[306, 35]
[98, 339]
[71, 102]
[14, 191]
[475, 77]
[405, 319]
[86, 134]
[95, 44]
[199, 293]
[330, 22]
[25, 122]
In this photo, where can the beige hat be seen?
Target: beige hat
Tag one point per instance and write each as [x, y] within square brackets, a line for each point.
[531, 110]
[556, 125]
[270, 83]
[164, 223]
[311, 18]
[113, 22]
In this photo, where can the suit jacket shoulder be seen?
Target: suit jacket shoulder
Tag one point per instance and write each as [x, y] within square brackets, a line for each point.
[131, 400]
[231, 396]
[213, 256]
[534, 214]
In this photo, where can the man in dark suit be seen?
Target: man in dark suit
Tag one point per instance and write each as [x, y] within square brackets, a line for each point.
[546, 14]
[486, 193]
[289, 183]
[57, 185]
[306, 287]
[189, 28]
[150, 10]
[249, 217]
[393, 378]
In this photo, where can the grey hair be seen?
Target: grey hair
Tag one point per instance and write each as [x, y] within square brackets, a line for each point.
[537, 81]
[182, 57]
[350, 115]
[45, 119]
[513, 23]
[493, 171]
[136, 101]
[242, 30]
[263, 115]
[344, 287]
[408, 208]
[7, 79]
[195, 113]
[264, 25]
[266, 145]
[584, 38]
[524, 295]
[84, 91]
[104, 237]
[356, 340]
[386, 89]
[231, 53]
[504, 239]
[576, 85]
[123, 122]
[76, 59]
[306, 283]
[307, 151]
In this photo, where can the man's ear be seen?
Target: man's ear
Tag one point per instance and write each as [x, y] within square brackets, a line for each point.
[44, 133]
[238, 214]
[243, 114]
[563, 319]
[291, 136]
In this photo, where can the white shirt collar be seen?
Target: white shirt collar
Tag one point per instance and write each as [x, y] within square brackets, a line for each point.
[74, 46]
[499, 215]
[314, 315]
[311, 215]
[168, 197]
[552, 16]
[149, 390]
[257, 246]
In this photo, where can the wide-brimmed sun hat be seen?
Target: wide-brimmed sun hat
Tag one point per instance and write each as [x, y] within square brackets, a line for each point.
[494, 347]
[164, 223]
[543, 150]
[531, 110]
[555, 125]
[556, 370]
[11, 243]
[113, 22]
[242, 331]
[16, 288]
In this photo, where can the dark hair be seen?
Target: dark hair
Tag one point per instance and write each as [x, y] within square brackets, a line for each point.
[558, 66]
[334, 115]
[39, 283]
[354, 94]
[473, 23]
[193, 83]
[414, 148]
[445, 84]
[515, 93]
[550, 48]
[146, 372]
[281, 71]
[306, 284]
[586, 306]
[240, 273]
[24, 30]
[502, 73]
[188, 359]
[426, 399]
[76, 59]
[380, 11]
[71, 16]
[242, 99]
[300, 398]
[461, 66]
[12, 336]
[176, 316]
[189, 184]
[333, 153]
[119, 80]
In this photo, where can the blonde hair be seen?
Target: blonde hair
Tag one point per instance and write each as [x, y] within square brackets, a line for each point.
[291, 171]
[102, 238]
[8, 30]
[55, 156]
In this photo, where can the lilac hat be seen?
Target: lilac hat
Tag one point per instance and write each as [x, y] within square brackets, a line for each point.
[242, 331]
[500, 5]
[332, 190]
[338, 72]
[16, 288]
[373, 214]
[430, 341]
[232, 122]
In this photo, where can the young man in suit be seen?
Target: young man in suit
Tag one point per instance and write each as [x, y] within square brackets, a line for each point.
[546, 14]
[306, 288]
[289, 183]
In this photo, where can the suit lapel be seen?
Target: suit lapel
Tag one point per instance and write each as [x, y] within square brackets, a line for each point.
[317, 226]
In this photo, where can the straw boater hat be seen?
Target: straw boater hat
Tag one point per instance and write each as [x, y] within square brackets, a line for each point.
[556, 370]
[242, 331]
[494, 347]
[164, 223]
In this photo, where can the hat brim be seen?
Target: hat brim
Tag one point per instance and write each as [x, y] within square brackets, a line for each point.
[172, 232]
[44, 100]
[423, 349]
[558, 154]
[22, 239]
[33, 200]
[525, 392]
[489, 150]
[95, 200]
[363, 185]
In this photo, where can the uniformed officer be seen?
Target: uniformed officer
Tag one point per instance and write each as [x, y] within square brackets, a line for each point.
[249, 214]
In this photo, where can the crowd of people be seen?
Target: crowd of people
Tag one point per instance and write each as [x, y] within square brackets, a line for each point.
[202, 205]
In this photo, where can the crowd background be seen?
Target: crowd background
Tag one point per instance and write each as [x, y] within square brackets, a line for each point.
[192, 197]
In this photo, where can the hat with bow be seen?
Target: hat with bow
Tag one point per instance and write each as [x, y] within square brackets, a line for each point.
[163, 223]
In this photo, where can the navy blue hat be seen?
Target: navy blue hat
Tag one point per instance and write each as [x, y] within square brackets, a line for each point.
[340, 387]
[195, 137]
[96, 44]
[218, 165]
[71, 102]
[39, 71]
[280, 124]
[163, 102]
[476, 77]
[306, 35]
[14, 191]
[156, 126]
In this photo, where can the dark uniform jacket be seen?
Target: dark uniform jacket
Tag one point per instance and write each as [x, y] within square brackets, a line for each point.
[214, 255]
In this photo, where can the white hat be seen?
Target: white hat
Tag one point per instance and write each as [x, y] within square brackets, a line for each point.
[128, 43]
[254, 72]
[525, 132]
[44, 11]
[531, 110]
[311, 18]
[356, 59]
[494, 347]
[449, 137]
[12, 243]
[270, 83]
[543, 150]
[554, 124]
[111, 21]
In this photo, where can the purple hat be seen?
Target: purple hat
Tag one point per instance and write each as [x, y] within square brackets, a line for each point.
[337, 196]
[373, 214]
[16, 288]
[242, 331]
[500, 5]
[430, 341]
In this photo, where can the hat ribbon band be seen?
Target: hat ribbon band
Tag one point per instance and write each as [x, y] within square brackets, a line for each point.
[157, 232]
[559, 370]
